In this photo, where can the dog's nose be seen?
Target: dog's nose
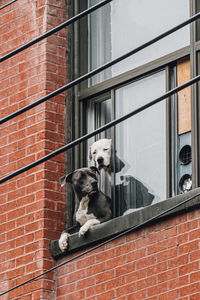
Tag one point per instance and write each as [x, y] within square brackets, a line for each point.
[94, 184]
[100, 160]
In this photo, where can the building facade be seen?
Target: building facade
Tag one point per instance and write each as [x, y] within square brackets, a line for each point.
[150, 249]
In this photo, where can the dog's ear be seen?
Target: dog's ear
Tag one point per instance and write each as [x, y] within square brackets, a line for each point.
[69, 177]
[65, 179]
[90, 154]
[62, 180]
[94, 170]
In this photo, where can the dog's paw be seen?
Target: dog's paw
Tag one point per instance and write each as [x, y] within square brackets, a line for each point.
[87, 226]
[83, 231]
[62, 242]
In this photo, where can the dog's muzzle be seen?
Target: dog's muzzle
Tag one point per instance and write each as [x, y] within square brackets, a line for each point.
[100, 161]
[101, 164]
[94, 187]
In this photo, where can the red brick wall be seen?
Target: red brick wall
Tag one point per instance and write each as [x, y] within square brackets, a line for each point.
[160, 262]
[156, 263]
[32, 204]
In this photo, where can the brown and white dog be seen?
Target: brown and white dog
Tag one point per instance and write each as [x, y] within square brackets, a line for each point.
[93, 207]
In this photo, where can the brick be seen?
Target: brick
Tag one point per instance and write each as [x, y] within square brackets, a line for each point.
[24, 260]
[136, 276]
[194, 234]
[114, 283]
[126, 268]
[77, 295]
[178, 261]
[94, 269]
[179, 282]
[194, 255]
[190, 289]
[158, 289]
[8, 130]
[107, 295]
[157, 268]
[137, 254]
[182, 228]
[188, 268]
[196, 296]
[24, 240]
[121, 250]
[86, 262]
[66, 289]
[145, 262]
[195, 276]
[7, 246]
[170, 295]
[126, 289]
[16, 194]
[140, 295]
[167, 254]
[18, 135]
[167, 275]
[16, 272]
[16, 213]
[86, 282]
[11, 147]
[25, 161]
[107, 275]
[188, 247]
[13, 234]
[16, 155]
[115, 262]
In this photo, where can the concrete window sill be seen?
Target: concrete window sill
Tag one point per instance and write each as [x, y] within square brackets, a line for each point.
[115, 226]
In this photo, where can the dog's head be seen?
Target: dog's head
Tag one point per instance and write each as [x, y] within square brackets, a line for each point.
[84, 181]
[100, 153]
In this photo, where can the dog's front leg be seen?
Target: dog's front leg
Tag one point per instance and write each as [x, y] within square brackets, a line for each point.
[63, 241]
[87, 226]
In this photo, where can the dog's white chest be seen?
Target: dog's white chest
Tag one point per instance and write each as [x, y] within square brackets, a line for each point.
[82, 215]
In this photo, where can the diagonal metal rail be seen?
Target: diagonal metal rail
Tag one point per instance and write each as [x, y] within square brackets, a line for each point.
[9, 3]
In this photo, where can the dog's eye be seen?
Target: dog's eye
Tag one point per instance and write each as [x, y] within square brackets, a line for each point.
[93, 175]
[105, 149]
[94, 152]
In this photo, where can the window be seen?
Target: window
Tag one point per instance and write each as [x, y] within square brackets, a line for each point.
[124, 25]
[98, 113]
[99, 42]
[148, 168]
[140, 142]
[197, 4]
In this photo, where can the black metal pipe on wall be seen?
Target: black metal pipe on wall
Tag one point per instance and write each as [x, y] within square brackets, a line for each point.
[9, 3]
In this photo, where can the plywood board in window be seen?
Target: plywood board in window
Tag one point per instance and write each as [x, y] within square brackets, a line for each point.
[184, 97]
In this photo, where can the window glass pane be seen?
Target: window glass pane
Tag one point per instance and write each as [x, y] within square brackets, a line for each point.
[98, 114]
[198, 21]
[99, 43]
[141, 144]
[124, 25]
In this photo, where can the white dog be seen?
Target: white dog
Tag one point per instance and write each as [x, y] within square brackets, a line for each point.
[100, 153]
